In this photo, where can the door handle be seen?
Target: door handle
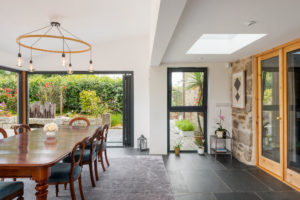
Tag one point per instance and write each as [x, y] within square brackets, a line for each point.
[278, 118]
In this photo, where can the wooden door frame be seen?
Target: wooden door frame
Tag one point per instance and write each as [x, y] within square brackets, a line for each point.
[282, 49]
[264, 162]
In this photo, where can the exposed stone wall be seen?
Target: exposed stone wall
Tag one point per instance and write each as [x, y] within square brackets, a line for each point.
[242, 128]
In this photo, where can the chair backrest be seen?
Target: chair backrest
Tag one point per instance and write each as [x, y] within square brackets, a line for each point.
[79, 146]
[105, 131]
[3, 132]
[79, 119]
[17, 127]
[98, 136]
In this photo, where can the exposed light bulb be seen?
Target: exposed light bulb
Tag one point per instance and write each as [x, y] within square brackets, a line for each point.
[70, 71]
[19, 60]
[31, 68]
[91, 67]
[63, 59]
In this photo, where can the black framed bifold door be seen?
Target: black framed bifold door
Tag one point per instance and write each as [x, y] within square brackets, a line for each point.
[187, 107]
[128, 139]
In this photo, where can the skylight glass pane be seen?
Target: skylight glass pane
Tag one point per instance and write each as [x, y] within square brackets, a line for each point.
[222, 43]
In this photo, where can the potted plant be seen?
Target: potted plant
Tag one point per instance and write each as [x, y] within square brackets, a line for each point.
[177, 146]
[221, 132]
[200, 144]
[186, 127]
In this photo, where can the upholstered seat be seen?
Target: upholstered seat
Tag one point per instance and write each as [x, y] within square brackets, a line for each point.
[88, 145]
[85, 156]
[60, 172]
[8, 188]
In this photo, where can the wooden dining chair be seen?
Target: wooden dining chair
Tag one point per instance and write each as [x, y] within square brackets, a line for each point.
[68, 173]
[4, 134]
[18, 127]
[79, 119]
[104, 146]
[11, 190]
[89, 155]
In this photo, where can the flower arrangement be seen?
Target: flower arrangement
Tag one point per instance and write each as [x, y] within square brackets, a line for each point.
[51, 127]
[221, 132]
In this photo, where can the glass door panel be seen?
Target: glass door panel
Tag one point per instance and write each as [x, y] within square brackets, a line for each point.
[270, 109]
[269, 113]
[184, 127]
[187, 100]
[293, 117]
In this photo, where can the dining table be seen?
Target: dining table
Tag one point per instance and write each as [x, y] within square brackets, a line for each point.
[31, 154]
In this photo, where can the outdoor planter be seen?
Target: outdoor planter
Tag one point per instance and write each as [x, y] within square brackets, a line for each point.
[200, 151]
[187, 133]
[177, 151]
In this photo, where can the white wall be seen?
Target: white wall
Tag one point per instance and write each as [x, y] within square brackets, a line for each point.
[218, 98]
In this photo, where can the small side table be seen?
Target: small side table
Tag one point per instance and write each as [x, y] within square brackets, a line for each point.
[222, 149]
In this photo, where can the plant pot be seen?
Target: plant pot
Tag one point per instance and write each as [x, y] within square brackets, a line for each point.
[187, 133]
[201, 150]
[177, 151]
[219, 134]
[198, 137]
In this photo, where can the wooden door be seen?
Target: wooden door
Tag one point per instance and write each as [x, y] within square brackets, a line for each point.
[270, 112]
[291, 95]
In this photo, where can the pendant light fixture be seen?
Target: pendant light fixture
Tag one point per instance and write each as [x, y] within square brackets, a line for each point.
[31, 68]
[70, 71]
[63, 55]
[67, 41]
[91, 67]
[19, 59]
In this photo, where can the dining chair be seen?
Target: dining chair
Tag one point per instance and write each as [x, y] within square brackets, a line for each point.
[74, 120]
[101, 147]
[104, 149]
[68, 173]
[11, 190]
[89, 155]
[18, 127]
[4, 134]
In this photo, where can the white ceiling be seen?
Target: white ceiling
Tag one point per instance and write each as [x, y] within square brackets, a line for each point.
[94, 21]
[277, 18]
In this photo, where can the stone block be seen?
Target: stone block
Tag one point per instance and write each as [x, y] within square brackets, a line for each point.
[235, 124]
[245, 137]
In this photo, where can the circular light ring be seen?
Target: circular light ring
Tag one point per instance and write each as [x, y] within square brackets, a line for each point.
[89, 47]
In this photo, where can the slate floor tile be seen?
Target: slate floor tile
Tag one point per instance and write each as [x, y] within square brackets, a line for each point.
[204, 181]
[291, 195]
[241, 181]
[237, 196]
[199, 196]
[269, 180]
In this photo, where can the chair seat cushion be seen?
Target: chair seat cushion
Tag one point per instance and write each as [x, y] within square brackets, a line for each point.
[8, 188]
[60, 172]
[85, 157]
[88, 145]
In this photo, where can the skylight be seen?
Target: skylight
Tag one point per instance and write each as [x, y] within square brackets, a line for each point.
[222, 43]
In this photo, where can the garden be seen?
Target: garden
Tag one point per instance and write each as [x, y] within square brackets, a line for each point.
[90, 96]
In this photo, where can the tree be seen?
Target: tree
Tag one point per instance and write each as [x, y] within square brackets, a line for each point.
[196, 81]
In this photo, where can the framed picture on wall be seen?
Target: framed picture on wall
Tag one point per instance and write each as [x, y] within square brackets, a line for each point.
[238, 89]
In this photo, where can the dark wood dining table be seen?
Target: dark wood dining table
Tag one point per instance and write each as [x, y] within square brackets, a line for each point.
[31, 155]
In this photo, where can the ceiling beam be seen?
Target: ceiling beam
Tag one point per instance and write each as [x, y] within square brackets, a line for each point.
[166, 15]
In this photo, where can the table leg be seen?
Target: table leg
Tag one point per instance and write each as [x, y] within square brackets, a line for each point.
[41, 190]
[40, 175]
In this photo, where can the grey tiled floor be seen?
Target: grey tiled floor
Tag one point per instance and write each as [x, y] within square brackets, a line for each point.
[195, 177]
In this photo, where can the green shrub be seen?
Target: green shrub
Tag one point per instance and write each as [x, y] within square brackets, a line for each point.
[185, 125]
[116, 119]
[89, 102]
